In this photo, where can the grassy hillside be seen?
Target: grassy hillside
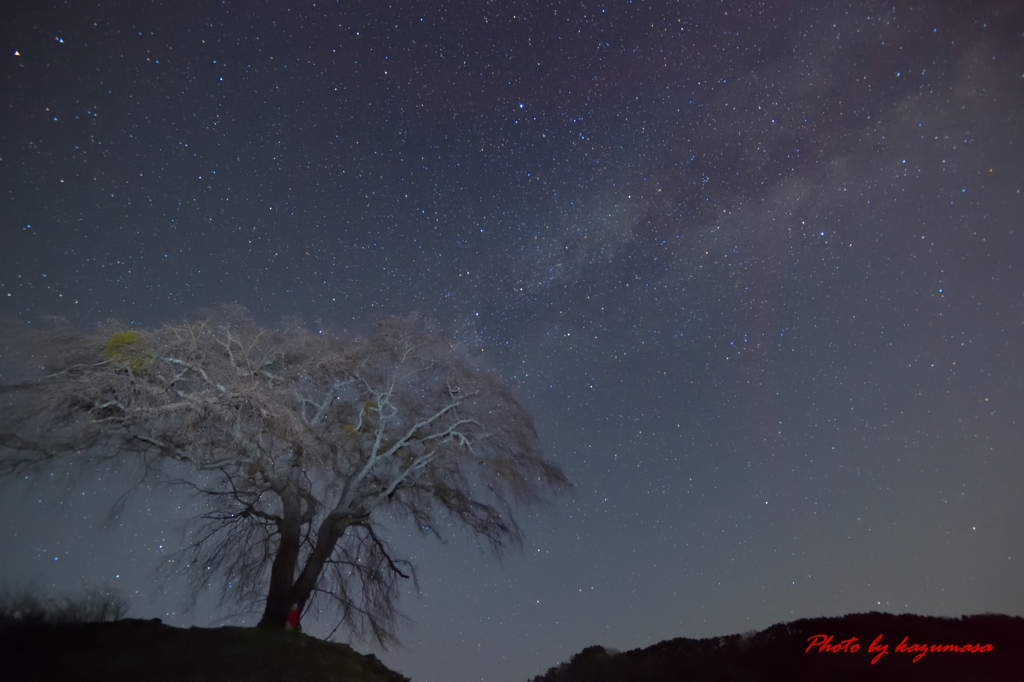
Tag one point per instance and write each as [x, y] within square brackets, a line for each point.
[133, 650]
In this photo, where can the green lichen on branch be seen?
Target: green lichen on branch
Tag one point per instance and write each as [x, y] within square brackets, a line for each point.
[128, 349]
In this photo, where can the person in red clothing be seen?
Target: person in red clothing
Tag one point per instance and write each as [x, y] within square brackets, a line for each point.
[293, 619]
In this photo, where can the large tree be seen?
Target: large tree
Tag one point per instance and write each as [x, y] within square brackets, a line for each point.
[304, 444]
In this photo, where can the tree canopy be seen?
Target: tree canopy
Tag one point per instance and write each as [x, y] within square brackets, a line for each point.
[304, 445]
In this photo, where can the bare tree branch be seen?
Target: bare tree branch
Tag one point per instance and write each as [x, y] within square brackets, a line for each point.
[298, 445]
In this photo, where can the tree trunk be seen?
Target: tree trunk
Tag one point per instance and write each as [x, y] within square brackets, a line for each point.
[331, 530]
[285, 588]
[282, 573]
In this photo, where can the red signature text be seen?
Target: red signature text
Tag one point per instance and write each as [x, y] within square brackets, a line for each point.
[826, 644]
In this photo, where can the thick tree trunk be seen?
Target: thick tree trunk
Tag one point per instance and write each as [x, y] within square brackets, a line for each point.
[285, 588]
[331, 530]
[282, 573]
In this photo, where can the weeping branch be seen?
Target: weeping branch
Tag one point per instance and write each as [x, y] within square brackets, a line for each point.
[296, 447]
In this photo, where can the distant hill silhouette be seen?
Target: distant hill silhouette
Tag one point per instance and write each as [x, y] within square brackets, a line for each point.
[780, 653]
[147, 651]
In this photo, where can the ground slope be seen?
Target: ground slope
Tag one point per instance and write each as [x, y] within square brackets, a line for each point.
[147, 650]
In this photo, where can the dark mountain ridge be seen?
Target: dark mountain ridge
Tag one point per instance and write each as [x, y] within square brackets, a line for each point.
[880, 647]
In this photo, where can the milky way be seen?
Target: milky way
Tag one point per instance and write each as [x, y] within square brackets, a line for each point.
[755, 269]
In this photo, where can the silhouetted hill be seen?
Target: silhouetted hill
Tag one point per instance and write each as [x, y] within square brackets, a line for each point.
[137, 650]
[992, 650]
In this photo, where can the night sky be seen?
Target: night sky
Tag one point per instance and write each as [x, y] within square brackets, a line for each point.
[757, 269]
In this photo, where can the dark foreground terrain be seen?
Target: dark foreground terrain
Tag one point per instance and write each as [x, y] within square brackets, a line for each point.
[991, 649]
[140, 650]
[873, 646]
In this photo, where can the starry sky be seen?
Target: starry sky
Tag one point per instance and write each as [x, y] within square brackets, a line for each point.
[756, 267]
